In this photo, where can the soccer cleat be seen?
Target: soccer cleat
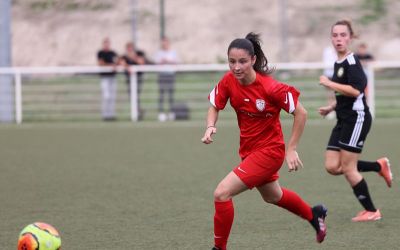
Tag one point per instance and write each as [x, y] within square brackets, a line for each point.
[367, 216]
[385, 172]
[318, 221]
[361, 213]
[215, 248]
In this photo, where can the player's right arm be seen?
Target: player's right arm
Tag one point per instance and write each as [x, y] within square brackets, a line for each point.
[218, 99]
[212, 117]
[347, 90]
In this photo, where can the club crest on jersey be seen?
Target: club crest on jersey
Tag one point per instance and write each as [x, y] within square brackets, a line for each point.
[260, 104]
[340, 72]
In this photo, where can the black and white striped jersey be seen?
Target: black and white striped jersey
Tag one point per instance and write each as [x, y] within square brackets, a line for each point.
[350, 72]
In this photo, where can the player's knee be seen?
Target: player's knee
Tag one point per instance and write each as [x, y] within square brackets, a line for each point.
[333, 169]
[272, 199]
[222, 194]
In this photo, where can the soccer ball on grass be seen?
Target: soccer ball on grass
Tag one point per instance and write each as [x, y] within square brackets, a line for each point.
[39, 236]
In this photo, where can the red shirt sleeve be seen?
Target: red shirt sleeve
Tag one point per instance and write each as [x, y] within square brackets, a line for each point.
[220, 94]
[285, 96]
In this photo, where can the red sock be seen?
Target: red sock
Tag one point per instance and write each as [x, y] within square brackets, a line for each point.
[223, 220]
[295, 204]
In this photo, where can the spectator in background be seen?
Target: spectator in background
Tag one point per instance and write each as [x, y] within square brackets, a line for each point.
[134, 57]
[329, 58]
[166, 79]
[107, 57]
[364, 56]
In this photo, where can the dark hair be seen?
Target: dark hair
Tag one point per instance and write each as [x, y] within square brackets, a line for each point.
[347, 23]
[252, 44]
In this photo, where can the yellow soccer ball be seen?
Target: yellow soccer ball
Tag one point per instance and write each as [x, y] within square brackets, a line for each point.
[39, 236]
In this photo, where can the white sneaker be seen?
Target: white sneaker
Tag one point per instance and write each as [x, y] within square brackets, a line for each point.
[162, 117]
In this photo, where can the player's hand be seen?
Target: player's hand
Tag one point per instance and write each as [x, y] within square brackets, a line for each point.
[293, 160]
[324, 81]
[325, 110]
[207, 139]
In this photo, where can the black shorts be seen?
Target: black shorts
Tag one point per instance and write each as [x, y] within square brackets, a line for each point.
[349, 134]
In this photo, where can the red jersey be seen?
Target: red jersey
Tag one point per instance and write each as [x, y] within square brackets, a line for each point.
[257, 107]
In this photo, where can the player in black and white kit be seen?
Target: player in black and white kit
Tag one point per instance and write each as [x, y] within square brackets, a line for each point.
[353, 123]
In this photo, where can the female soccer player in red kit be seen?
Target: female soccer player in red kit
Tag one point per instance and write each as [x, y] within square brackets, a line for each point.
[257, 99]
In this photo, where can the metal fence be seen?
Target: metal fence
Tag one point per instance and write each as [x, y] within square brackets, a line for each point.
[73, 93]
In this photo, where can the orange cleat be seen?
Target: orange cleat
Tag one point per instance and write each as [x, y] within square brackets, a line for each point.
[367, 216]
[385, 172]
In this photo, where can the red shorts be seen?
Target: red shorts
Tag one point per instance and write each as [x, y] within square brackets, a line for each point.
[260, 167]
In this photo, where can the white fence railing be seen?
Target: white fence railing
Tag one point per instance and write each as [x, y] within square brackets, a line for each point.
[18, 74]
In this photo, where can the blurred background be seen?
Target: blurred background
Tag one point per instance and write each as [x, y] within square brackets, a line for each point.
[49, 54]
[56, 33]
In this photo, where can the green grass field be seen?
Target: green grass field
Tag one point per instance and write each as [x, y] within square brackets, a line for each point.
[150, 186]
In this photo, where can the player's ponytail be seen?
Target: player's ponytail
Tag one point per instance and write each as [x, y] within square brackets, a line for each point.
[261, 64]
[252, 44]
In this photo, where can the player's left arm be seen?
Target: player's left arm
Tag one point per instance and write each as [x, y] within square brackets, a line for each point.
[299, 121]
[287, 98]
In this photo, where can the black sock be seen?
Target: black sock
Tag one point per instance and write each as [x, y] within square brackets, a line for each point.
[362, 194]
[368, 166]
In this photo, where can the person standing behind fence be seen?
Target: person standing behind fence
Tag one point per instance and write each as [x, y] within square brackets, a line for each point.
[329, 58]
[363, 55]
[365, 58]
[107, 57]
[134, 57]
[166, 79]
[354, 121]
